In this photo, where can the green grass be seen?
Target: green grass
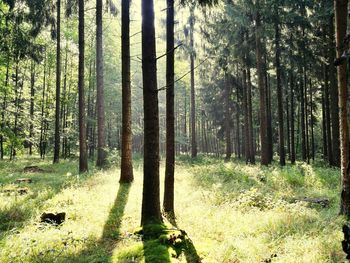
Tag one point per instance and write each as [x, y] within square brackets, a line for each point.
[231, 212]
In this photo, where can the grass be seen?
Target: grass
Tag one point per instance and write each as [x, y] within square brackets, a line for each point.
[231, 212]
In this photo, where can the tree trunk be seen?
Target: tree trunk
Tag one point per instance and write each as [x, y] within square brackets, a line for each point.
[193, 98]
[168, 203]
[328, 116]
[83, 160]
[302, 120]
[150, 199]
[4, 106]
[312, 122]
[227, 119]
[292, 130]
[246, 116]
[56, 157]
[101, 151]
[279, 93]
[262, 90]
[126, 173]
[250, 119]
[341, 14]
[334, 100]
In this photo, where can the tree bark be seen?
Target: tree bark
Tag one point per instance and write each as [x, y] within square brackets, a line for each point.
[83, 158]
[56, 157]
[227, 119]
[262, 90]
[250, 119]
[292, 130]
[193, 98]
[101, 144]
[279, 92]
[341, 14]
[126, 173]
[168, 203]
[150, 198]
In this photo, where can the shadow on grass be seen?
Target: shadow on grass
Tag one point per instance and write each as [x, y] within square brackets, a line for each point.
[16, 209]
[189, 249]
[101, 250]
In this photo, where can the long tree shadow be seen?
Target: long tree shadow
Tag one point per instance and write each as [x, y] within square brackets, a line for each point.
[101, 250]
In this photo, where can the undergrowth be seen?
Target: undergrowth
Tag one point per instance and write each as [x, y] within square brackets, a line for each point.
[225, 212]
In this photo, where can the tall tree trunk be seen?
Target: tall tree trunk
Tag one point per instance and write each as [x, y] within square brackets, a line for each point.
[324, 130]
[227, 119]
[4, 106]
[306, 117]
[279, 92]
[193, 98]
[302, 120]
[31, 110]
[250, 119]
[246, 116]
[312, 122]
[341, 14]
[238, 126]
[168, 203]
[333, 92]
[150, 198]
[292, 130]
[83, 158]
[262, 90]
[126, 173]
[64, 104]
[56, 157]
[328, 116]
[101, 151]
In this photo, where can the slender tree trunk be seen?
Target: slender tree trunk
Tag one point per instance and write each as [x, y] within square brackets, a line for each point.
[324, 130]
[279, 92]
[227, 119]
[64, 104]
[56, 157]
[238, 126]
[288, 123]
[83, 157]
[101, 151]
[31, 109]
[150, 198]
[306, 118]
[328, 116]
[312, 122]
[302, 121]
[262, 90]
[126, 173]
[246, 116]
[333, 92]
[292, 130]
[168, 203]
[193, 98]
[4, 106]
[250, 120]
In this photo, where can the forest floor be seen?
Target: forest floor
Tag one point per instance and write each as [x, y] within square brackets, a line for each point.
[232, 212]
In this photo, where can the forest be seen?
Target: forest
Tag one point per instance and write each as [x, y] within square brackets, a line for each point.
[174, 131]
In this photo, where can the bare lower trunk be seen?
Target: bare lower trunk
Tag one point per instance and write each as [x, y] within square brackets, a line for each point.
[101, 151]
[150, 197]
[126, 173]
[168, 203]
[83, 162]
